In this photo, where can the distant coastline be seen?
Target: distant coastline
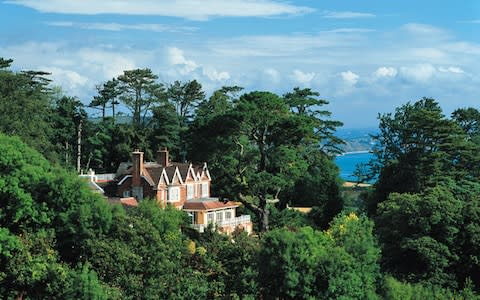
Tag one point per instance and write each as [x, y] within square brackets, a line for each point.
[348, 162]
[355, 152]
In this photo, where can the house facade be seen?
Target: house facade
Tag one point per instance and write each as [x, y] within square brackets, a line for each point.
[182, 185]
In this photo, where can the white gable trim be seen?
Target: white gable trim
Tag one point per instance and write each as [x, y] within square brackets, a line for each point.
[191, 171]
[148, 180]
[205, 172]
[123, 179]
[164, 177]
[178, 175]
[130, 176]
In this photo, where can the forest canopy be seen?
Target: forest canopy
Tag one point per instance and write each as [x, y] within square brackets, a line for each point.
[414, 234]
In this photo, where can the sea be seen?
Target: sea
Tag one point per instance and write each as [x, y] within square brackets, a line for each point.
[348, 162]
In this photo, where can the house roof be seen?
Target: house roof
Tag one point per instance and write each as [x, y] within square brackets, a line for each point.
[152, 171]
[127, 202]
[130, 201]
[208, 205]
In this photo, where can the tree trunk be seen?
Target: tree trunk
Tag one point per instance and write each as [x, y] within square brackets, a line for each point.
[260, 211]
[113, 111]
[79, 145]
[262, 214]
[66, 153]
[263, 220]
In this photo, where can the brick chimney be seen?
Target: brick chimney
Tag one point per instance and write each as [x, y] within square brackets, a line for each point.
[162, 157]
[137, 172]
[137, 168]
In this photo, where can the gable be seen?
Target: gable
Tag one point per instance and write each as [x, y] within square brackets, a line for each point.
[191, 176]
[163, 180]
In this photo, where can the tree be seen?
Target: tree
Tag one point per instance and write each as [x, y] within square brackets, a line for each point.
[35, 195]
[139, 91]
[208, 112]
[305, 103]
[107, 93]
[25, 107]
[266, 161]
[341, 263]
[419, 233]
[5, 63]
[415, 148]
[185, 97]
[165, 130]
[68, 119]
[257, 148]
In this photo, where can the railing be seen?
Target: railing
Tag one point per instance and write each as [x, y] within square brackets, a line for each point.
[106, 177]
[235, 221]
[199, 227]
[230, 222]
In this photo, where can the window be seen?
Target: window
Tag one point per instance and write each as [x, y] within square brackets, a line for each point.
[127, 194]
[228, 215]
[204, 190]
[190, 191]
[210, 218]
[173, 194]
[219, 216]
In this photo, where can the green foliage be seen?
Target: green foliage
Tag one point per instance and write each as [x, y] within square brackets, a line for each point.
[25, 107]
[259, 147]
[86, 286]
[397, 290]
[185, 97]
[166, 130]
[426, 197]
[287, 218]
[418, 146]
[341, 263]
[67, 119]
[419, 233]
[139, 91]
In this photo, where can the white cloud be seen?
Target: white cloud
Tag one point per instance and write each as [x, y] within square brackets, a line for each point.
[215, 75]
[385, 72]
[349, 77]
[120, 27]
[188, 9]
[455, 70]
[287, 45]
[428, 53]
[346, 15]
[176, 57]
[418, 73]
[423, 29]
[108, 63]
[301, 77]
[273, 75]
[68, 79]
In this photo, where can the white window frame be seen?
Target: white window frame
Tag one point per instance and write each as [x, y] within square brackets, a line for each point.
[127, 194]
[228, 214]
[219, 216]
[190, 191]
[210, 217]
[173, 194]
[205, 189]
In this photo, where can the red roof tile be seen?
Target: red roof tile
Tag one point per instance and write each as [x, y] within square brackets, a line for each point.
[208, 205]
[129, 201]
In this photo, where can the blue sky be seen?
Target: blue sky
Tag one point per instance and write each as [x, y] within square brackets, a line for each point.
[365, 57]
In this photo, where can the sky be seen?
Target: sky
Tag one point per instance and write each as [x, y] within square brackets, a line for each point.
[364, 57]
